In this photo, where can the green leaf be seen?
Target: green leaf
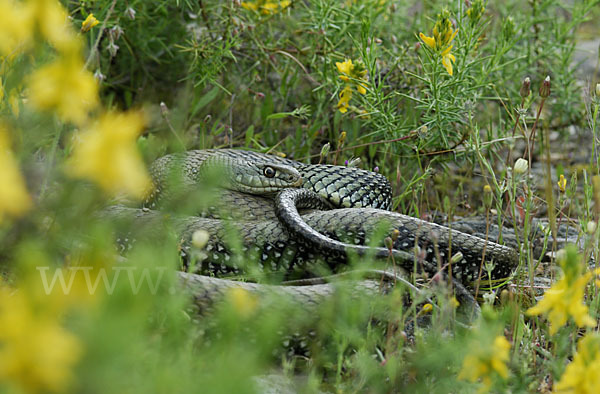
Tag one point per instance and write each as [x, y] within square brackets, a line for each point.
[205, 100]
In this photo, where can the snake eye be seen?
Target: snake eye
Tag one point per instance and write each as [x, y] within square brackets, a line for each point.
[269, 172]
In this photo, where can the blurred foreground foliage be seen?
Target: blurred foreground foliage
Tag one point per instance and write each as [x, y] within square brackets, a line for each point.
[92, 91]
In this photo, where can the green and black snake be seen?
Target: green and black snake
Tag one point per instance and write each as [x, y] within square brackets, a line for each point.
[261, 206]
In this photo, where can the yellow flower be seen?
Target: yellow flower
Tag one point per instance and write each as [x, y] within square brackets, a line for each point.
[565, 298]
[16, 26]
[345, 68]
[562, 183]
[486, 361]
[345, 96]
[250, 5]
[562, 300]
[454, 302]
[14, 199]
[283, 4]
[354, 74]
[448, 59]
[65, 87]
[36, 353]
[243, 302]
[429, 41]
[18, 19]
[441, 40]
[53, 22]
[88, 23]
[582, 375]
[266, 7]
[269, 8]
[108, 155]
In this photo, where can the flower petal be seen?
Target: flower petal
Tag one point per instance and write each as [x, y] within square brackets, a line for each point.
[446, 62]
[429, 41]
[345, 67]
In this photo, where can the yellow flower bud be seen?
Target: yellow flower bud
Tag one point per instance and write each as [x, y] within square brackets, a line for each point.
[562, 183]
[88, 23]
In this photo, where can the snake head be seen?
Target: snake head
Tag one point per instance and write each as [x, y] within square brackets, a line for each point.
[261, 178]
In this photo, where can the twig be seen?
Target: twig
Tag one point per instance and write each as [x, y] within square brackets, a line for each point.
[412, 134]
[487, 232]
[308, 76]
[532, 138]
[94, 48]
[205, 18]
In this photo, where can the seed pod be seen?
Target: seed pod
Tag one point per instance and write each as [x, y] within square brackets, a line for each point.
[354, 162]
[130, 13]
[164, 110]
[520, 166]
[591, 227]
[200, 239]
[325, 150]
[525, 88]
[487, 196]
[457, 258]
[388, 243]
[545, 88]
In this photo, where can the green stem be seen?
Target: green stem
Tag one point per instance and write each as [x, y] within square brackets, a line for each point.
[50, 163]
[532, 138]
[436, 96]
[94, 48]
[594, 119]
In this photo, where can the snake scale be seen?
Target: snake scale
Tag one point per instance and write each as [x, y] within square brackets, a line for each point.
[285, 234]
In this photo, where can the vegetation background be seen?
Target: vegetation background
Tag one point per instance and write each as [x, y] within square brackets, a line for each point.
[440, 97]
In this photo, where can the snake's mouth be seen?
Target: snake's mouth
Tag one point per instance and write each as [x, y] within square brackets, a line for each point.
[298, 183]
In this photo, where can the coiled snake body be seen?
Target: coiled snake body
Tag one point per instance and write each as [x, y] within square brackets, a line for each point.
[295, 243]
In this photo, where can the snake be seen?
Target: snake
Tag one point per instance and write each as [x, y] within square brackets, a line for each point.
[248, 194]
[289, 228]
